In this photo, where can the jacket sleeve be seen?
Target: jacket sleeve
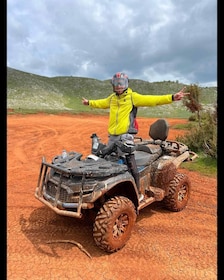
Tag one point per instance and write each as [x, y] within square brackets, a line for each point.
[140, 100]
[101, 103]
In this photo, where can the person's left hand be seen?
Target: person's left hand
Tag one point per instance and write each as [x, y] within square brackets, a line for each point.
[179, 95]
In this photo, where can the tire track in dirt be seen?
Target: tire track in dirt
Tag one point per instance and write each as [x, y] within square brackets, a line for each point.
[36, 138]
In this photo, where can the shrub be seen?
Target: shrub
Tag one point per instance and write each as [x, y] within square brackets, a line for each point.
[203, 137]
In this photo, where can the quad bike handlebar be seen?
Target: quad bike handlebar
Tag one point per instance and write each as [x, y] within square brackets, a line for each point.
[125, 147]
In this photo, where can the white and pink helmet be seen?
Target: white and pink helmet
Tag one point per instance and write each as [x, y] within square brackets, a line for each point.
[120, 80]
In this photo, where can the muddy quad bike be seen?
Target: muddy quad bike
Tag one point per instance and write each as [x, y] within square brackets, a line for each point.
[116, 182]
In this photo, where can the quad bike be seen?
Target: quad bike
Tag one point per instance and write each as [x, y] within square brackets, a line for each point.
[117, 181]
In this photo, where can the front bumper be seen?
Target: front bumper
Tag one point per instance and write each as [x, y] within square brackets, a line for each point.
[70, 209]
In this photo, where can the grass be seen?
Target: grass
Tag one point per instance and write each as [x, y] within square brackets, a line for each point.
[37, 93]
[185, 126]
[204, 165]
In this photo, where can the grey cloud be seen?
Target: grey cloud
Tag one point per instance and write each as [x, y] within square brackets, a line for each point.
[150, 40]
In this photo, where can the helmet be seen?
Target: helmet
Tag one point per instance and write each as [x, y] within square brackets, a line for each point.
[120, 79]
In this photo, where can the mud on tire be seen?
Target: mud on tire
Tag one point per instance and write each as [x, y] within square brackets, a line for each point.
[179, 191]
[114, 223]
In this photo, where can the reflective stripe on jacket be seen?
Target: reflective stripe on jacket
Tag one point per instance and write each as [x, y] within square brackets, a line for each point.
[121, 107]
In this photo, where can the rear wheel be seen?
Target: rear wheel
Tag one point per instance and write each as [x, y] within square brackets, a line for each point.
[179, 191]
[114, 223]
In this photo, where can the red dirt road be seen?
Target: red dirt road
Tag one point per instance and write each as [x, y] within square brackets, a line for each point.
[163, 245]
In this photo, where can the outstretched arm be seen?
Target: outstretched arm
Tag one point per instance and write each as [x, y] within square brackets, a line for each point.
[179, 95]
[103, 103]
[85, 101]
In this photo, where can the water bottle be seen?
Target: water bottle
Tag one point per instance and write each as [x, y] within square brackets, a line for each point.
[64, 154]
[95, 142]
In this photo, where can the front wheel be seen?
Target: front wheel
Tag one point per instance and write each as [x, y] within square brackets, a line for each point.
[114, 223]
[179, 191]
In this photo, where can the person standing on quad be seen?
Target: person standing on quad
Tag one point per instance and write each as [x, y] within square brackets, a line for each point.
[123, 104]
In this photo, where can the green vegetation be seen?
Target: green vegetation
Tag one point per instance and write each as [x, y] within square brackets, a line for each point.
[33, 93]
[203, 164]
[29, 94]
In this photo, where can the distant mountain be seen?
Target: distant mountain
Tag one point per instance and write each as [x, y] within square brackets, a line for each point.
[30, 93]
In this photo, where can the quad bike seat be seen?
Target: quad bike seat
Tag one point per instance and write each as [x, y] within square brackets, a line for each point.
[159, 130]
[146, 153]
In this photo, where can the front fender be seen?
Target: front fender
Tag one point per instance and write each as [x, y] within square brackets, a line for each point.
[122, 184]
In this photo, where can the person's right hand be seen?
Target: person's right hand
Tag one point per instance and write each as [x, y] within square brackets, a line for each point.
[85, 101]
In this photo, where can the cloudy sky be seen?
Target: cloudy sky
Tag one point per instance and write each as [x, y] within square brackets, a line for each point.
[152, 40]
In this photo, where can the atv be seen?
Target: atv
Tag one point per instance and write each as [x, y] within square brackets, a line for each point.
[116, 181]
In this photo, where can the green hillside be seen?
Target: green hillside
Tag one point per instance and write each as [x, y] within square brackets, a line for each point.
[30, 93]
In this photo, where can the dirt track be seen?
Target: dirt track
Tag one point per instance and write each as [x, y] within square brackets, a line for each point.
[163, 245]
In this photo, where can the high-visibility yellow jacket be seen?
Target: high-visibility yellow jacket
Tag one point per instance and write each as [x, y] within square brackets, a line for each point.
[121, 107]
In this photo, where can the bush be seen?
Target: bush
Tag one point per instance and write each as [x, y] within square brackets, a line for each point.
[203, 137]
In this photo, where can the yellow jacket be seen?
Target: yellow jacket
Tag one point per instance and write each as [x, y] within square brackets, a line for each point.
[122, 105]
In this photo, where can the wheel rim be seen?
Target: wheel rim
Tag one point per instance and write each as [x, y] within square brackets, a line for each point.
[120, 225]
[182, 193]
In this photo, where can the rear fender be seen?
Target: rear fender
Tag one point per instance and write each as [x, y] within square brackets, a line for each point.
[165, 168]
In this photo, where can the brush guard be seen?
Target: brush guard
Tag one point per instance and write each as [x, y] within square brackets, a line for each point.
[56, 205]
